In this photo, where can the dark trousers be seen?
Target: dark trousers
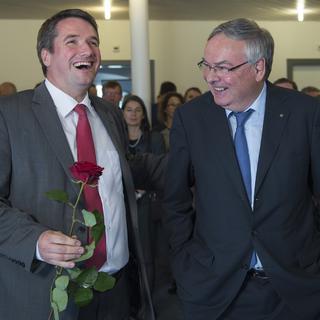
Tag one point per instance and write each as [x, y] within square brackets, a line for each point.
[113, 304]
[257, 300]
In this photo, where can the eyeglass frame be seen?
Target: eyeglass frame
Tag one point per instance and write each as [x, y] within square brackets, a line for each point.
[217, 68]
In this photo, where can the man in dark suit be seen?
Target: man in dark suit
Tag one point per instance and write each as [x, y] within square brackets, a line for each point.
[248, 247]
[37, 147]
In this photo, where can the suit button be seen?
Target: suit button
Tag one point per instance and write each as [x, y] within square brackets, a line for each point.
[245, 266]
[81, 229]
[254, 232]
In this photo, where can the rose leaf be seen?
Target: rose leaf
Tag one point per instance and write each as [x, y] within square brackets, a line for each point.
[62, 282]
[60, 298]
[104, 282]
[55, 310]
[83, 296]
[87, 278]
[89, 252]
[97, 232]
[89, 218]
[74, 272]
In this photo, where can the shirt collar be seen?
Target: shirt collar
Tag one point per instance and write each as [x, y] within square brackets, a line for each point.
[258, 105]
[63, 102]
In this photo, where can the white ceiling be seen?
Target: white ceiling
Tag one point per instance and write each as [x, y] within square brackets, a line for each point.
[276, 10]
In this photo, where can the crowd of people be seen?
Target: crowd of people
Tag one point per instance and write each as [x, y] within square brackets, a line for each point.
[218, 195]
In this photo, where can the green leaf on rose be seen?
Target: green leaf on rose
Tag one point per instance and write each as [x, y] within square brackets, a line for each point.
[57, 195]
[97, 232]
[60, 298]
[88, 253]
[87, 278]
[104, 282]
[83, 296]
[74, 272]
[55, 311]
[89, 218]
[99, 216]
[62, 282]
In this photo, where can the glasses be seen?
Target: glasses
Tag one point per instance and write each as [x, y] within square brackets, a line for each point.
[220, 70]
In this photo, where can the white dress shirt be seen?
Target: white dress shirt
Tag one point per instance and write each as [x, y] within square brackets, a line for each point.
[110, 183]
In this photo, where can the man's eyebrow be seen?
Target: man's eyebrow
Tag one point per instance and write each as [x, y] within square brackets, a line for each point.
[68, 36]
[218, 63]
[71, 36]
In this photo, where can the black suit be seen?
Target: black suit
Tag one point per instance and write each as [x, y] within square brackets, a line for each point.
[212, 244]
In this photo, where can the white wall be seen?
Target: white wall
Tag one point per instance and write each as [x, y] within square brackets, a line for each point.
[176, 47]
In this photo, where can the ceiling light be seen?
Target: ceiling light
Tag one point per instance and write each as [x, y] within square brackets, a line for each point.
[107, 9]
[300, 10]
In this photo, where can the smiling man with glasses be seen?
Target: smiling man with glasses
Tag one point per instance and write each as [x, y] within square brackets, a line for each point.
[245, 242]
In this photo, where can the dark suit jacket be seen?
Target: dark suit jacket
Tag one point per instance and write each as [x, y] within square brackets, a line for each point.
[212, 244]
[35, 158]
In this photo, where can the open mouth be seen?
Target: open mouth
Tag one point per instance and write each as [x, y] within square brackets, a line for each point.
[83, 65]
[220, 89]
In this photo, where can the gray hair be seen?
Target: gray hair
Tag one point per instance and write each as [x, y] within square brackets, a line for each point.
[259, 42]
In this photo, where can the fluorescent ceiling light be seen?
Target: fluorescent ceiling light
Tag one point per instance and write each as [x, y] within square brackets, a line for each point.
[107, 9]
[300, 10]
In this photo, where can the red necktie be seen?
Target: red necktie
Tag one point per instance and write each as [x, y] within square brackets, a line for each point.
[86, 152]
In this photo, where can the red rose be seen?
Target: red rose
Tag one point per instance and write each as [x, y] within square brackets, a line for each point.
[86, 172]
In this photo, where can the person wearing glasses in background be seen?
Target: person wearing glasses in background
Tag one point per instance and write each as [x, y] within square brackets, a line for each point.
[249, 246]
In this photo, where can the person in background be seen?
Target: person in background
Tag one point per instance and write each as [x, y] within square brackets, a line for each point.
[286, 83]
[42, 133]
[92, 91]
[191, 93]
[142, 140]
[7, 89]
[112, 92]
[246, 245]
[311, 91]
[170, 102]
[156, 119]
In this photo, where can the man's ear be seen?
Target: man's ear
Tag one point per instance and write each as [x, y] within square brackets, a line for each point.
[46, 57]
[260, 67]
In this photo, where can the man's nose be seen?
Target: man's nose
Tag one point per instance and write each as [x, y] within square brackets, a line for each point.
[86, 47]
[211, 76]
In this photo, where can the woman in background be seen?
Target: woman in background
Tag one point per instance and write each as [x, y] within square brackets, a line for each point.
[142, 140]
[170, 103]
[192, 93]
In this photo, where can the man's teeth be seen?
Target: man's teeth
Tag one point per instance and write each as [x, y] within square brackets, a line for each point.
[82, 64]
[219, 89]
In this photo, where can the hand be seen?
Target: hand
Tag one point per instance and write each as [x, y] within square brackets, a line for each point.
[58, 249]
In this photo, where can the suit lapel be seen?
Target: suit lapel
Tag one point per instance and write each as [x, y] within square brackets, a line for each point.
[276, 117]
[222, 145]
[45, 111]
[109, 123]
[114, 129]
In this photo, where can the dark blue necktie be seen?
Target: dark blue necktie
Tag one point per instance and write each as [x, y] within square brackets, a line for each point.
[241, 146]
